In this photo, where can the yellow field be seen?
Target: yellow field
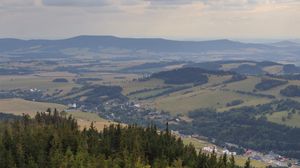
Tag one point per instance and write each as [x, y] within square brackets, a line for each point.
[276, 91]
[246, 85]
[240, 160]
[277, 118]
[201, 99]
[275, 69]
[40, 82]
[20, 107]
[198, 144]
[111, 78]
[86, 116]
[135, 86]
[214, 94]
[250, 102]
[235, 65]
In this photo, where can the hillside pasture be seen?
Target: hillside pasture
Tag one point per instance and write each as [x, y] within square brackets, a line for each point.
[200, 99]
[20, 107]
[277, 117]
[214, 94]
[44, 83]
[140, 85]
[247, 85]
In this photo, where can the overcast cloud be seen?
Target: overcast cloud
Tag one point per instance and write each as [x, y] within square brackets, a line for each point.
[150, 18]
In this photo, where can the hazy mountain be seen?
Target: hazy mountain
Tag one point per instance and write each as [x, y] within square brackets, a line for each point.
[286, 43]
[150, 48]
[151, 44]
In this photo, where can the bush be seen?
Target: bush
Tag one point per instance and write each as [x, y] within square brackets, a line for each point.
[234, 103]
[60, 80]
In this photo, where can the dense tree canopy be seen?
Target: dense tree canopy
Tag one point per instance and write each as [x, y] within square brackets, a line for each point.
[54, 140]
[267, 84]
[291, 91]
[183, 76]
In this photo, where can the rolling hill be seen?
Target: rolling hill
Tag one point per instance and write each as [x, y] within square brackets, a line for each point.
[141, 48]
[194, 88]
[254, 111]
[151, 44]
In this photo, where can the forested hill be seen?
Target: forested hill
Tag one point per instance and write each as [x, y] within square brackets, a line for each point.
[150, 44]
[193, 75]
[54, 140]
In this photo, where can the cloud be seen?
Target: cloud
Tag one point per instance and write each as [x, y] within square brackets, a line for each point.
[220, 4]
[155, 18]
[78, 3]
[210, 4]
[16, 3]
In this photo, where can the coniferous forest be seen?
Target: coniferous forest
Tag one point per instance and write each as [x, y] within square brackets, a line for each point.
[53, 139]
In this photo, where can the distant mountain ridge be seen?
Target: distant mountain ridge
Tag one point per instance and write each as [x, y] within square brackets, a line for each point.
[285, 43]
[151, 44]
[146, 49]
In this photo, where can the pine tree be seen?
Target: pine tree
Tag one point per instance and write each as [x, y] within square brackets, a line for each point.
[231, 162]
[54, 140]
[247, 164]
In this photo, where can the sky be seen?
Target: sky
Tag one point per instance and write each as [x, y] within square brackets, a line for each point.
[173, 19]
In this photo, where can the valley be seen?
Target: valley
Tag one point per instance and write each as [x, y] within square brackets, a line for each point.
[225, 102]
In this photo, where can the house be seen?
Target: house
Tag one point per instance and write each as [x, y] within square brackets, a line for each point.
[74, 105]
[227, 152]
[210, 149]
[137, 105]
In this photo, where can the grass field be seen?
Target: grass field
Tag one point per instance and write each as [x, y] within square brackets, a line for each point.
[43, 83]
[198, 144]
[276, 91]
[213, 94]
[20, 107]
[240, 160]
[246, 85]
[140, 85]
[235, 65]
[110, 78]
[201, 99]
[277, 118]
[275, 69]
[250, 102]
[147, 94]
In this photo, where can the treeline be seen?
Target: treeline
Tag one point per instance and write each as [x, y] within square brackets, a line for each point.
[291, 91]
[248, 69]
[286, 76]
[267, 84]
[183, 76]
[148, 90]
[154, 66]
[15, 71]
[94, 95]
[255, 94]
[235, 78]
[245, 67]
[166, 92]
[234, 103]
[60, 80]
[84, 81]
[54, 140]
